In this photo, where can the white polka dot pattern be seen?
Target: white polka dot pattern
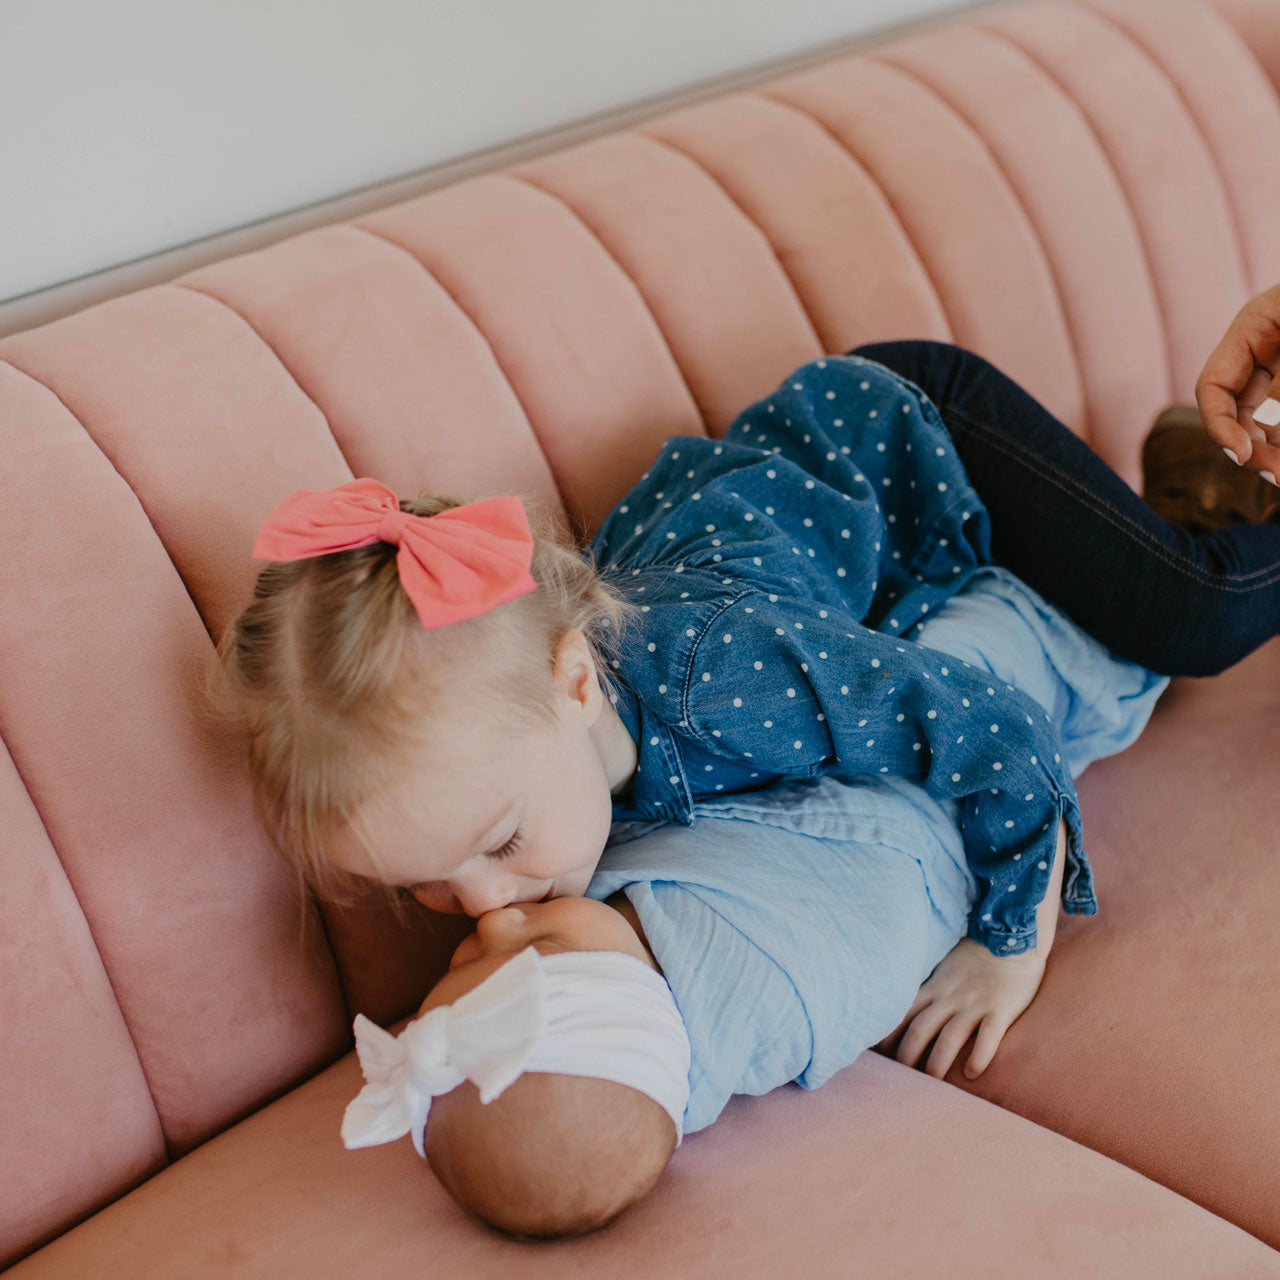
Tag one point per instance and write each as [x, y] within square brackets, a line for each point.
[769, 561]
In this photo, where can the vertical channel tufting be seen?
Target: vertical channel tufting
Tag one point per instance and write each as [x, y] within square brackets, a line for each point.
[572, 334]
[765, 94]
[77, 1122]
[1221, 84]
[141, 405]
[577, 215]
[782, 267]
[1124, 32]
[206, 291]
[1164, 168]
[977, 244]
[843, 249]
[707, 273]
[924, 85]
[1080, 216]
[412, 392]
[1254, 23]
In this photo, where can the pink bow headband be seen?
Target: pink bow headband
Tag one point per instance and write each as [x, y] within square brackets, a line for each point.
[456, 564]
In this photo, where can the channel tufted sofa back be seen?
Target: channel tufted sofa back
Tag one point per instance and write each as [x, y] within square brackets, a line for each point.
[1074, 189]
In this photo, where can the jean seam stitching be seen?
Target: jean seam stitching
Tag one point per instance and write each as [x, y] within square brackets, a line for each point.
[1116, 518]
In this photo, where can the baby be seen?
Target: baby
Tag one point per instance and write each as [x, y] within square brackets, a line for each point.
[793, 925]
[449, 705]
[548, 1068]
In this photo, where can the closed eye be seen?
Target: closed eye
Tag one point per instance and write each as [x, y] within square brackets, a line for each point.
[510, 847]
[405, 892]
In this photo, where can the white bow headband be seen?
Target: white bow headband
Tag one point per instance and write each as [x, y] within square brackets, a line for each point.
[581, 1013]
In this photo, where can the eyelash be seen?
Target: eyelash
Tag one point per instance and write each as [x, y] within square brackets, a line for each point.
[510, 847]
[405, 892]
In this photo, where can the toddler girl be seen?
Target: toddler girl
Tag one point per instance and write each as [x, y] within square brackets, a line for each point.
[442, 704]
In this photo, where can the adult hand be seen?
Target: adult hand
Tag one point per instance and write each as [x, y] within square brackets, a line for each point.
[1239, 390]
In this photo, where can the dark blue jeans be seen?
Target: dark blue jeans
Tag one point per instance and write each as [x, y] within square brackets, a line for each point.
[1063, 521]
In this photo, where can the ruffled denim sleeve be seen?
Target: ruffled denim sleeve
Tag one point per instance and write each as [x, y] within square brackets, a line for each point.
[831, 696]
[783, 569]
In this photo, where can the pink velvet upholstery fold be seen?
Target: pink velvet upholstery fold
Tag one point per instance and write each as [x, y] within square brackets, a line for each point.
[1082, 191]
[371, 312]
[1166, 171]
[569, 331]
[977, 245]
[854, 288]
[882, 1171]
[72, 1078]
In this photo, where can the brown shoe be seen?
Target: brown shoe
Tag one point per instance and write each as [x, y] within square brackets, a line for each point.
[1188, 480]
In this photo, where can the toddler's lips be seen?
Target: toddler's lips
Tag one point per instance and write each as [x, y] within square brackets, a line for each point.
[550, 893]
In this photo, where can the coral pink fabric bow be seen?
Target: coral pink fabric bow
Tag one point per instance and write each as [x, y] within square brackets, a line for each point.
[456, 564]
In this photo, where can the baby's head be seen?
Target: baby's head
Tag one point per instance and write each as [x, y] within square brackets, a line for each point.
[468, 765]
[552, 1152]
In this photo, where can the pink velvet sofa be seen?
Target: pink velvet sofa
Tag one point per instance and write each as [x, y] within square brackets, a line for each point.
[1083, 192]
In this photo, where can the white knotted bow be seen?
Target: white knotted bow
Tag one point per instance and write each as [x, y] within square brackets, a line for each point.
[486, 1036]
[604, 1014]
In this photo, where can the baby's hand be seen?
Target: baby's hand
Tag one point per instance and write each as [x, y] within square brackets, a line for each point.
[968, 987]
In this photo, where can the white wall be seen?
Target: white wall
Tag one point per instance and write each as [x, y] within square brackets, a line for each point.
[130, 126]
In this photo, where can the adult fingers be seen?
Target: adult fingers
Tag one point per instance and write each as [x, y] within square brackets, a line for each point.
[1225, 374]
[1252, 340]
[1267, 414]
[1265, 457]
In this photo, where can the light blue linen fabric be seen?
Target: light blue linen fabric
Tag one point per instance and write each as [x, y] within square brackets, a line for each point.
[795, 924]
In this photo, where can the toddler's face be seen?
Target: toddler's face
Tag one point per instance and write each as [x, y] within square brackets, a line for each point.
[502, 813]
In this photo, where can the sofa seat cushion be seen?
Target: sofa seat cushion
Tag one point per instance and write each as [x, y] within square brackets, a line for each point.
[1153, 1038]
[883, 1165]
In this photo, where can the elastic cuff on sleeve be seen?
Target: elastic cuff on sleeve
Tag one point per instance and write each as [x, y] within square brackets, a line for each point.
[1002, 942]
[1080, 906]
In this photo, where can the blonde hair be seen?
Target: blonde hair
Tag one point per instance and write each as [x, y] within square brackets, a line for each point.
[332, 676]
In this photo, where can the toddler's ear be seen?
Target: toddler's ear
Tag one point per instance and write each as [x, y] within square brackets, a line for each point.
[571, 645]
[574, 671]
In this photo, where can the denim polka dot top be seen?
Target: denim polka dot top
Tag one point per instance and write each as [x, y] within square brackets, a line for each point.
[780, 572]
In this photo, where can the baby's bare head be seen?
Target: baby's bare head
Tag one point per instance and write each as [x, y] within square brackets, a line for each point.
[554, 1155]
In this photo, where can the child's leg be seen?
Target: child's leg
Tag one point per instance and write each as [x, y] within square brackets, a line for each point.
[1099, 703]
[1063, 521]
